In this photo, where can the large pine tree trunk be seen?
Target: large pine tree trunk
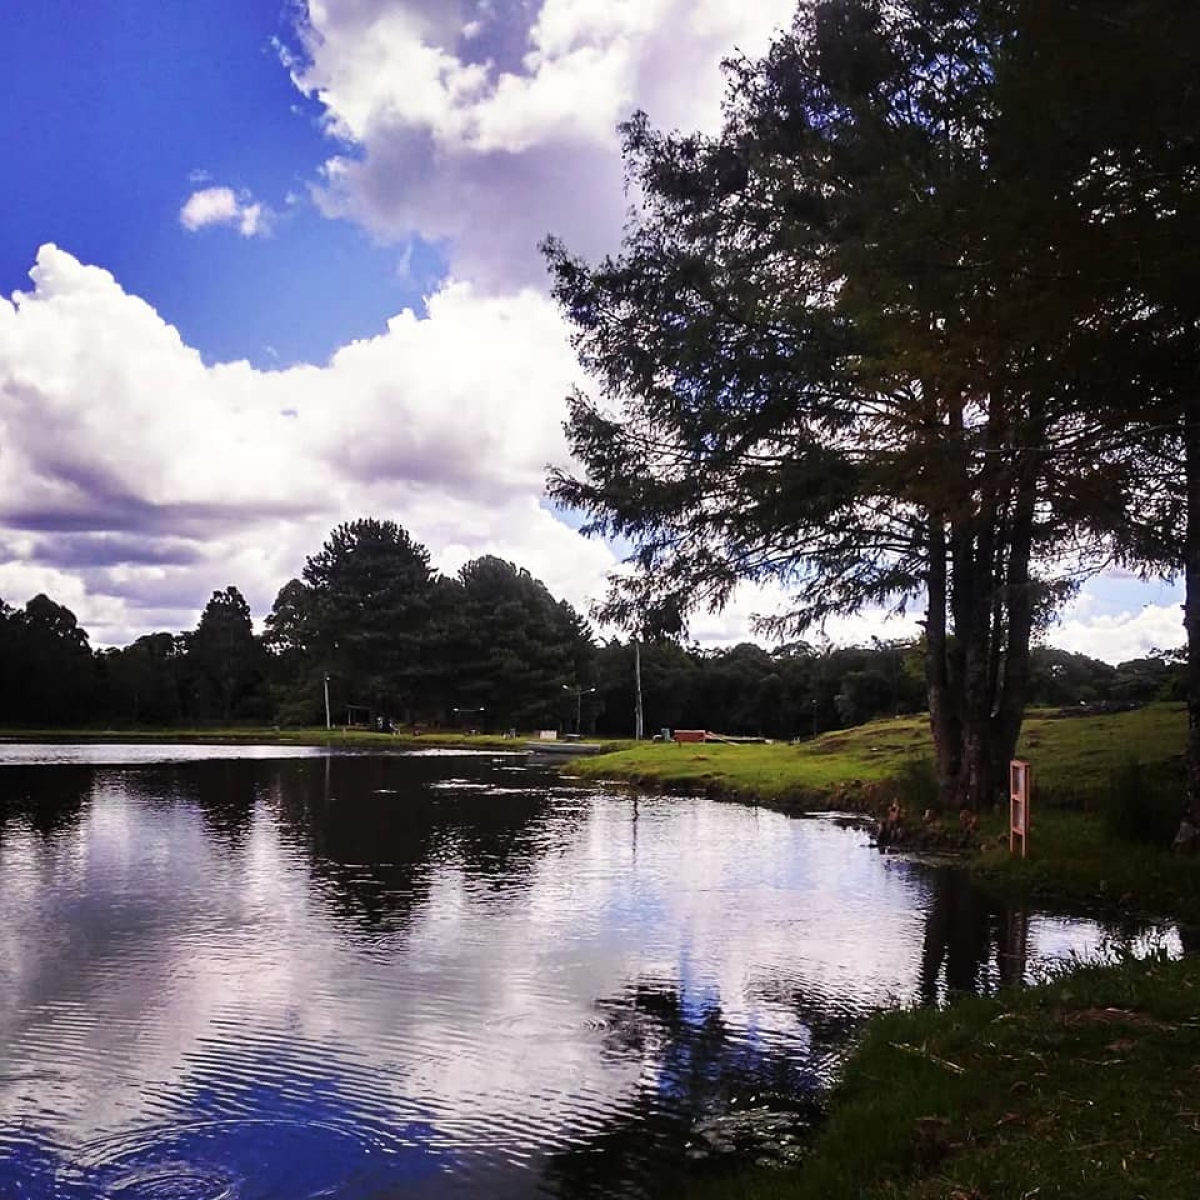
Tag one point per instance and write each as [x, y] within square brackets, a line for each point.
[1013, 690]
[1188, 838]
[974, 592]
[943, 709]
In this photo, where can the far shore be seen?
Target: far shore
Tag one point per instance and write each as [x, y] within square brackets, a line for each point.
[277, 735]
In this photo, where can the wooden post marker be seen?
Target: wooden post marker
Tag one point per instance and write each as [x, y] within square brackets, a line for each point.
[1020, 781]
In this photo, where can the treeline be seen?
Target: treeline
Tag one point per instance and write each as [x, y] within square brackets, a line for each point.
[798, 690]
[489, 647]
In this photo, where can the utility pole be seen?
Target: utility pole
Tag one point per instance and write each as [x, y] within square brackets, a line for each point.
[639, 726]
[328, 723]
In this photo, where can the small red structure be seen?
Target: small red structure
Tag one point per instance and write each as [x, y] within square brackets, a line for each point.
[1020, 783]
[691, 735]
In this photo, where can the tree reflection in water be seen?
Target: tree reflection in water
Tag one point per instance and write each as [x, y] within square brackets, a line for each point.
[374, 828]
[961, 927]
[49, 803]
[976, 942]
[694, 1062]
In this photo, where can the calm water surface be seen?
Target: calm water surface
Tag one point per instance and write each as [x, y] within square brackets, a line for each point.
[270, 974]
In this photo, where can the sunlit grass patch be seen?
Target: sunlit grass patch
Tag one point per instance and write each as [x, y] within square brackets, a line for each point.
[1072, 757]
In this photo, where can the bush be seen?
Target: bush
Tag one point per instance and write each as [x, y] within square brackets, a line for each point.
[1142, 804]
[915, 784]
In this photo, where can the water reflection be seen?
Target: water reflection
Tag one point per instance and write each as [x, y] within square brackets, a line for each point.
[959, 936]
[28, 799]
[694, 1062]
[375, 831]
[367, 975]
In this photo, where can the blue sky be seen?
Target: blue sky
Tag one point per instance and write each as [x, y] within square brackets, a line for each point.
[345, 197]
[117, 109]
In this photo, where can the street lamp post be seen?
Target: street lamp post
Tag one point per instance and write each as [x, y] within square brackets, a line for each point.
[579, 694]
[458, 712]
[328, 720]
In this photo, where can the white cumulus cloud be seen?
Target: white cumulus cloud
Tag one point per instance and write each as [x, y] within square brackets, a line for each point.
[224, 206]
[1119, 637]
[130, 465]
[491, 125]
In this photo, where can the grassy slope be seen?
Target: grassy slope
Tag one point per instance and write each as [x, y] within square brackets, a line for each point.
[1069, 755]
[1086, 1087]
[867, 754]
[1072, 757]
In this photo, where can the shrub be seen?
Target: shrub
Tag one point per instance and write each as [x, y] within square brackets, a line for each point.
[915, 784]
[1141, 803]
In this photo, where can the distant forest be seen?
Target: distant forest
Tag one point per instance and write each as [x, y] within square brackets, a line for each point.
[489, 648]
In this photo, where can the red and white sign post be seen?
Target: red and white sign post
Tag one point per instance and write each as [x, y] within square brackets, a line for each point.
[1020, 781]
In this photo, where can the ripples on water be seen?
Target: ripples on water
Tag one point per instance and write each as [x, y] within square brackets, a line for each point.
[275, 974]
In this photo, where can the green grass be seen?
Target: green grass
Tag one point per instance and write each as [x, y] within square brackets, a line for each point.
[1072, 756]
[1086, 1087]
[816, 770]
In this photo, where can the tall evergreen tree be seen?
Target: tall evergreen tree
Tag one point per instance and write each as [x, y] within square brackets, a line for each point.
[296, 671]
[513, 647]
[146, 680]
[225, 657]
[1113, 108]
[827, 357]
[50, 654]
[370, 587]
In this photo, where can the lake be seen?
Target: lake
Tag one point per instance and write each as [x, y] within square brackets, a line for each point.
[276, 974]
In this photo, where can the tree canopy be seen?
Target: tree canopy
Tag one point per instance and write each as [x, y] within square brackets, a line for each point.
[225, 655]
[850, 345]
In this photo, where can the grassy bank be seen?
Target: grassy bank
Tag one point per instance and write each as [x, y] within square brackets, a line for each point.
[1072, 756]
[1086, 1087]
[1074, 864]
[809, 773]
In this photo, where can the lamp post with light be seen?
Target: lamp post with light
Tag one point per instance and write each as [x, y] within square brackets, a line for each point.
[460, 712]
[579, 694]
